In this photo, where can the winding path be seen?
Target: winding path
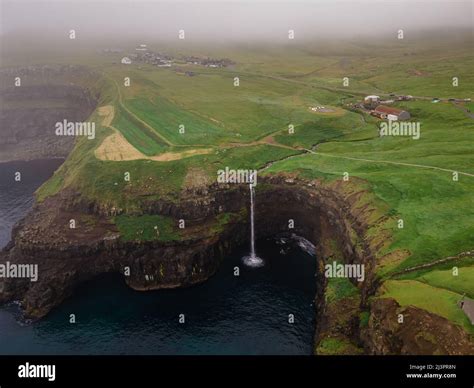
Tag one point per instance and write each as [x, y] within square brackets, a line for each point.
[389, 162]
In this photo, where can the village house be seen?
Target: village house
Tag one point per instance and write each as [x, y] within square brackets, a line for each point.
[390, 113]
[126, 61]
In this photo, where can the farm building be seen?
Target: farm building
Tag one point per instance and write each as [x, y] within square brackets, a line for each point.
[126, 61]
[392, 113]
[371, 101]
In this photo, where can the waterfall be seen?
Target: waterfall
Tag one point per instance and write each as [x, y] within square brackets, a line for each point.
[252, 228]
[252, 260]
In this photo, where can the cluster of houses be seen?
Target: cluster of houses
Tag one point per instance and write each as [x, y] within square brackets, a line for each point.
[155, 59]
[208, 62]
[144, 55]
[162, 60]
[379, 108]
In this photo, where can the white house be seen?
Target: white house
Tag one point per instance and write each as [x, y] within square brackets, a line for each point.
[126, 61]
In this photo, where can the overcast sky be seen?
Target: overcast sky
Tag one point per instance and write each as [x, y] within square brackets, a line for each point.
[231, 20]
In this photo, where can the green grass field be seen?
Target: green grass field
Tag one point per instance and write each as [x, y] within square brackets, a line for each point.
[147, 228]
[462, 283]
[140, 136]
[436, 300]
[246, 126]
[339, 288]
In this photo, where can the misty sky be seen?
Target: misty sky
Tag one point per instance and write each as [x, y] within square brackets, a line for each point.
[231, 20]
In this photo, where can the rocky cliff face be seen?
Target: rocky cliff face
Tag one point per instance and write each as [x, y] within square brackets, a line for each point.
[29, 112]
[325, 214]
[420, 333]
[67, 257]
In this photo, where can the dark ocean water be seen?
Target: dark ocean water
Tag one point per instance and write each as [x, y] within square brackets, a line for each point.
[16, 197]
[227, 314]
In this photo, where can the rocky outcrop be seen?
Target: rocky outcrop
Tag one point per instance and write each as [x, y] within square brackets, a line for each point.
[420, 332]
[29, 112]
[330, 215]
[66, 257]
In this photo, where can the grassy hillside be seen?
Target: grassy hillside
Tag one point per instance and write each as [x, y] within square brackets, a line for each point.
[246, 126]
[436, 300]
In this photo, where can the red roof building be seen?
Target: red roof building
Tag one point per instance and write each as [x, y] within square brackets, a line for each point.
[388, 110]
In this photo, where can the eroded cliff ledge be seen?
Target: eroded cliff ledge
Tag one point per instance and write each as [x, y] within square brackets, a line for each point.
[67, 256]
[32, 100]
[330, 215]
